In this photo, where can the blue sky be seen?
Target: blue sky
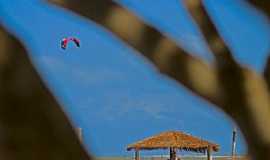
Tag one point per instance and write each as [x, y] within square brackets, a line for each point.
[111, 92]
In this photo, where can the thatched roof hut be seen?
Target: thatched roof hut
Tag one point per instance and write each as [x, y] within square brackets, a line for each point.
[174, 140]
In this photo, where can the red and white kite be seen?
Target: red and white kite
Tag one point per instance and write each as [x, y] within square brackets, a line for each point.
[65, 41]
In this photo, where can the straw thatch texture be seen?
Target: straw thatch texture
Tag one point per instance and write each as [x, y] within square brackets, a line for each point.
[173, 139]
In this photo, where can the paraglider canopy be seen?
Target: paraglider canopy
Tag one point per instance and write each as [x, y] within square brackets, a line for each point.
[65, 41]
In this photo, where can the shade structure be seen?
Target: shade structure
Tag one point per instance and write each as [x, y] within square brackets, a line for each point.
[175, 140]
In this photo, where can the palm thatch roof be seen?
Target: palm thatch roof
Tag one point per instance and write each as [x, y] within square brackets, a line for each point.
[173, 139]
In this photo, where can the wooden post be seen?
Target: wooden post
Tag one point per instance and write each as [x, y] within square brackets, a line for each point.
[137, 154]
[209, 156]
[79, 133]
[233, 143]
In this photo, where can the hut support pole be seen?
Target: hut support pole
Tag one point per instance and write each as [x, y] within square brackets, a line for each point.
[209, 156]
[172, 154]
[137, 155]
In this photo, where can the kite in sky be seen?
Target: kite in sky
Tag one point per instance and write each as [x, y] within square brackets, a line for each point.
[65, 41]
